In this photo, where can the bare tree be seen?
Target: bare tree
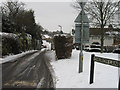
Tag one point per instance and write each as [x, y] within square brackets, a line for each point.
[100, 12]
[12, 8]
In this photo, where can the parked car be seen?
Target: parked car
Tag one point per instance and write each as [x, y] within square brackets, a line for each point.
[95, 43]
[77, 46]
[117, 51]
[86, 47]
[95, 47]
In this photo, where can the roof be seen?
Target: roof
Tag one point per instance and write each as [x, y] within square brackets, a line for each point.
[97, 31]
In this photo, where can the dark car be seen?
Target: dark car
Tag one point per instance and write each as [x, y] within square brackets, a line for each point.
[117, 51]
[95, 47]
[96, 43]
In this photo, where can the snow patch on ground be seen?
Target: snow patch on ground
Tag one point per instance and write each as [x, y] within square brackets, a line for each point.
[51, 55]
[66, 70]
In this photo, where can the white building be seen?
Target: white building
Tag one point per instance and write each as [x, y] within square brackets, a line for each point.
[109, 37]
[108, 41]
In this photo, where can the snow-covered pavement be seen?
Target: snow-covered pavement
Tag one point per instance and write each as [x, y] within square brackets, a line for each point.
[67, 75]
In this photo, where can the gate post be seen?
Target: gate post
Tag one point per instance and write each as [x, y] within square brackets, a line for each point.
[92, 69]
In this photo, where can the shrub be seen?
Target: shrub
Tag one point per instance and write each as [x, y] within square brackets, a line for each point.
[63, 46]
[10, 44]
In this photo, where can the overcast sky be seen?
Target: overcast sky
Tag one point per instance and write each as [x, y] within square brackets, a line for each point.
[52, 14]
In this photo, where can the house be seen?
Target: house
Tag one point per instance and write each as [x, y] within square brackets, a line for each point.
[111, 36]
[95, 36]
[108, 41]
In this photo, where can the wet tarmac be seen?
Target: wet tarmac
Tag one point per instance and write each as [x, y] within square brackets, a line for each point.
[29, 71]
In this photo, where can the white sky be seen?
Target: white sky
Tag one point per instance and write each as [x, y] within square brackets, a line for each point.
[51, 13]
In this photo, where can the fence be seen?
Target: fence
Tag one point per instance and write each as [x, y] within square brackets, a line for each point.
[104, 61]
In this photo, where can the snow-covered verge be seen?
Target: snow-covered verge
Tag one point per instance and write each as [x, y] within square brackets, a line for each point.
[13, 57]
[66, 70]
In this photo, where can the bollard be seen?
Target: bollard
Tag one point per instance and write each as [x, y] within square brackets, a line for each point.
[92, 69]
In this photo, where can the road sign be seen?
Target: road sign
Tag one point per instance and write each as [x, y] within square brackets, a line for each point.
[85, 33]
[82, 4]
[107, 61]
[83, 18]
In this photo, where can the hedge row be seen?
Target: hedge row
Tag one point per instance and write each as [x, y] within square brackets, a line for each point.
[14, 44]
[10, 45]
[63, 46]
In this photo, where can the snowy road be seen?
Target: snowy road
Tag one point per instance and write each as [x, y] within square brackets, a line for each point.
[28, 71]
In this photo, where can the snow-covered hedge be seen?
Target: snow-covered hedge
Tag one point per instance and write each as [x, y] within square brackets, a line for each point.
[10, 44]
[16, 43]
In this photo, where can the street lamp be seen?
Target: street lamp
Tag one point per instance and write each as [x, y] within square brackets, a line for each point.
[60, 27]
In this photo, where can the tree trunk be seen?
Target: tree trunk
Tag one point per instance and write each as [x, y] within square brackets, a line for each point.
[102, 26]
[102, 38]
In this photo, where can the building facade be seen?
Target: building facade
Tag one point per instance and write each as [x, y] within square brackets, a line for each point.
[110, 36]
[108, 41]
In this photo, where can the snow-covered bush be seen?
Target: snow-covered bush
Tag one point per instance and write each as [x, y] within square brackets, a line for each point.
[10, 44]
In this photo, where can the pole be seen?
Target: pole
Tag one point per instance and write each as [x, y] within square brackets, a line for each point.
[81, 44]
[92, 69]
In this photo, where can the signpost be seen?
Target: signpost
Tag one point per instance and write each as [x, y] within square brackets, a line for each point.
[81, 33]
[104, 61]
[107, 61]
[85, 33]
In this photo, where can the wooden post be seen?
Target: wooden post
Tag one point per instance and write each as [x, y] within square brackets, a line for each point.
[92, 69]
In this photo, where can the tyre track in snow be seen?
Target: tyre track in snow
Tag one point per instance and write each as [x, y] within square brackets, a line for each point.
[28, 71]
